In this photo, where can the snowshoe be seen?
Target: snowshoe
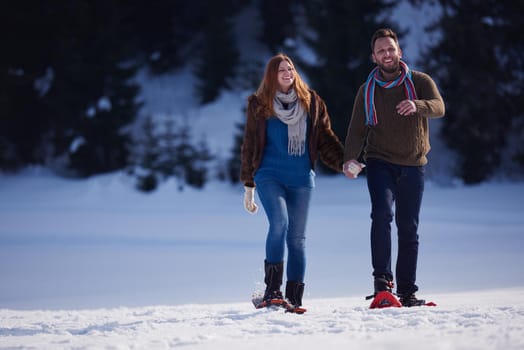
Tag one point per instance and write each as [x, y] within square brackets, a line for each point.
[384, 299]
[295, 309]
[260, 300]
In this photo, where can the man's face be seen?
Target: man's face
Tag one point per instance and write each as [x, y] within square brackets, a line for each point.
[387, 55]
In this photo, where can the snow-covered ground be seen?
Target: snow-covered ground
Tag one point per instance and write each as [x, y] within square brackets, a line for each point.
[478, 320]
[93, 264]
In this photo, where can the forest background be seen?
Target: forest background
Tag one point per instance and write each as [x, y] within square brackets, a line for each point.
[73, 73]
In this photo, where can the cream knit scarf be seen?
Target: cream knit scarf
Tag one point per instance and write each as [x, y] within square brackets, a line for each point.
[294, 116]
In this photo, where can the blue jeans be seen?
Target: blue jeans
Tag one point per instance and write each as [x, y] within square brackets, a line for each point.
[402, 186]
[287, 210]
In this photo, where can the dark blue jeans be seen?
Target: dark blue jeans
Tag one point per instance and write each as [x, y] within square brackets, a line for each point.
[287, 210]
[401, 186]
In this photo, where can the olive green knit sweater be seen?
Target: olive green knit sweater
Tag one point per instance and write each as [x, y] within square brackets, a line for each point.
[398, 139]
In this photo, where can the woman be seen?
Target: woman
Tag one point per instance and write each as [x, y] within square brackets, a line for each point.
[287, 128]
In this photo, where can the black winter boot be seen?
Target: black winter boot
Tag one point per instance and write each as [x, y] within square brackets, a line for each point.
[411, 300]
[382, 283]
[273, 280]
[294, 293]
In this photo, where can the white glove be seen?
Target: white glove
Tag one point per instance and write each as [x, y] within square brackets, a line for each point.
[352, 168]
[249, 200]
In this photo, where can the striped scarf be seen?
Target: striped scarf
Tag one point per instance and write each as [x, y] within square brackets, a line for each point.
[373, 78]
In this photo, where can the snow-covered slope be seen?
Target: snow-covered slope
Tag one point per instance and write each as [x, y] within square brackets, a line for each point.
[473, 320]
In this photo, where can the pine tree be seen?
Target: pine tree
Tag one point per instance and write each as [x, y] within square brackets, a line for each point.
[251, 78]
[167, 142]
[277, 23]
[165, 150]
[69, 94]
[196, 173]
[161, 32]
[180, 158]
[479, 67]
[218, 54]
[234, 162]
[341, 37]
[27, 51]
[144, 157]
[99, 73]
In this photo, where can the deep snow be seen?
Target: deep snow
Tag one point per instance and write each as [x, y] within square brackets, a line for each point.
[92, 264]
[479, 320]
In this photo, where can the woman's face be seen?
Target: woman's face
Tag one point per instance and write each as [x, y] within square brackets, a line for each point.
[286, 76]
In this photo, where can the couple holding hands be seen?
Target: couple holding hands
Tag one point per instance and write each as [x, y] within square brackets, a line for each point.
[288, 128]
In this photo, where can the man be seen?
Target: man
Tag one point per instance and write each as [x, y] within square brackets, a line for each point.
[390, 124]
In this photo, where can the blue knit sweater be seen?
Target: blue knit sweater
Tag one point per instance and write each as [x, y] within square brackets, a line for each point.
[278, 164]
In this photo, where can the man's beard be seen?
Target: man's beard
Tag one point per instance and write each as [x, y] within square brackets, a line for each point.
[392, 69]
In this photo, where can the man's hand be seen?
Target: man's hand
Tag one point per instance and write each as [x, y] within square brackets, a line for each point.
[406, 107]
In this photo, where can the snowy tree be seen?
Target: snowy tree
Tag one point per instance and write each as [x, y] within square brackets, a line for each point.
[218, 53]
[165, 150]
[479, 66]
[339, 34]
